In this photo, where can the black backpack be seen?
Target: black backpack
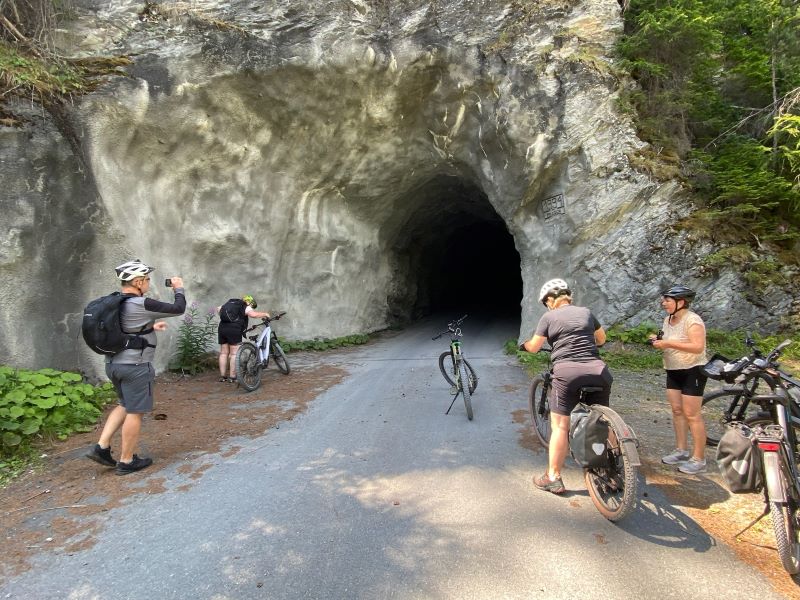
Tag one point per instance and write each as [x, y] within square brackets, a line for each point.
[233, 312]
[588, 436]
[102, 328]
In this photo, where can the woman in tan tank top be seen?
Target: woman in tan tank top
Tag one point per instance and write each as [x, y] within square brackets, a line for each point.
[683, 341]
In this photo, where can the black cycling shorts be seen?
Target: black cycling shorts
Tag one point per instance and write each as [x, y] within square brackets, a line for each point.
[229, 333]
[691, 382]
[570, 376]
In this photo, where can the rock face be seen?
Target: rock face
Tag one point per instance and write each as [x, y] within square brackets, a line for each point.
[355, 163]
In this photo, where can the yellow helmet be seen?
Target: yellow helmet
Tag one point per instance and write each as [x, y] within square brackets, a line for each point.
[250, 300]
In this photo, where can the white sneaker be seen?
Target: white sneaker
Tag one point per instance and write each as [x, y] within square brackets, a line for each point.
[693, 466]
[676, 457]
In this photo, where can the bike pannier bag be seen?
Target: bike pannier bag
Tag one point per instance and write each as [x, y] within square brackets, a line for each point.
[102, 329]
[739, 459]
[233, 311]
[588, 436]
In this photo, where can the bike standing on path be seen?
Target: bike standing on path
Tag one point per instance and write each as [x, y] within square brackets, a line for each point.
[775, 434]
[254, 356]
[455, 368]
[613, 488]
[746, 380]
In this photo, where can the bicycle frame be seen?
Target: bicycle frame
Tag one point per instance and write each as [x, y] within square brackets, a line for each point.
[459, 373]
[263, 341]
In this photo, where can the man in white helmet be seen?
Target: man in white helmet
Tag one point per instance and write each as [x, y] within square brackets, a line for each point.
[574, 334]
[131, 371]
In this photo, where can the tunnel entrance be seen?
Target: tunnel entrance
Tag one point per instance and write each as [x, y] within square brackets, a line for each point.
[455, 254]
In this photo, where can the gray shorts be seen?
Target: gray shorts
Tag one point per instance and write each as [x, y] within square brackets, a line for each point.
[134, 386]
[570, 376]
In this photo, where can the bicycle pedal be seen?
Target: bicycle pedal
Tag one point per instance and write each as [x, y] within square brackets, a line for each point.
[453, 391]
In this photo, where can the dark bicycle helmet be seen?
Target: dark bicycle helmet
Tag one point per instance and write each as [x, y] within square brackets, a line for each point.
[679, 291]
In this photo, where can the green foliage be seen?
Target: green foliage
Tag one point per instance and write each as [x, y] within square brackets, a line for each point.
[323, 343]
[637, 335]
[720, 85]
[39, 404]
[627, 348]
[195, 340]
[47, 79]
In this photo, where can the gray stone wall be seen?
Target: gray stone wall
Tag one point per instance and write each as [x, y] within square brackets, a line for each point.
[305, 154]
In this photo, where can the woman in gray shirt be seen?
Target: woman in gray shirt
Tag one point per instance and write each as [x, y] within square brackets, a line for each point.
[574, 334]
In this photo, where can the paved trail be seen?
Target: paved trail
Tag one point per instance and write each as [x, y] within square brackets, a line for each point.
[376, 493]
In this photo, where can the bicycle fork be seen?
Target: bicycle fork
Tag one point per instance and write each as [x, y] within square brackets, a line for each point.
[456, 350]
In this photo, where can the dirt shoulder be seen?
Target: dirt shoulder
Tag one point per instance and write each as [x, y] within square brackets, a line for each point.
[639, 398]
[61, 506]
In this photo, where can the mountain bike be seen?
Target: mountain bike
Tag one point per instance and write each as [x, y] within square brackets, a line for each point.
[612, 489]
[745, 380]
[456, 369]
[777, 443]
[252, 357]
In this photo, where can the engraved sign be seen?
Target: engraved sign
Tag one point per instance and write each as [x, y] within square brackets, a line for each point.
[554, 205]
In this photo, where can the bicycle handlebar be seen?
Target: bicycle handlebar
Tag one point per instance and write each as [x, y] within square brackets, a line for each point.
[452, 327]
[265, 321]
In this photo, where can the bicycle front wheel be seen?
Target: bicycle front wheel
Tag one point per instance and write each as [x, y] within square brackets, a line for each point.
[464, 385]
[248, 367]
[720, 408]
[280, 358]
[613, 489]
[447, 366]
[539, 407]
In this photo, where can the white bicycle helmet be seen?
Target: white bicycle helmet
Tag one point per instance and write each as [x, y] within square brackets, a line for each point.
[133, 269]
[554, 287]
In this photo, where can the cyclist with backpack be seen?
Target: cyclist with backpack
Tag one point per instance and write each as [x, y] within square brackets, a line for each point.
[233, 318]
[573, 334]
[130, 367]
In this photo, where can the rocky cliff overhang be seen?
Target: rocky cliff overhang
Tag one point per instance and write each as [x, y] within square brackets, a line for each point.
[355, 163]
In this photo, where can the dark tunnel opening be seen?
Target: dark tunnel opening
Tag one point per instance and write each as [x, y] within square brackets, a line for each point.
[454, 254]
[478, 271]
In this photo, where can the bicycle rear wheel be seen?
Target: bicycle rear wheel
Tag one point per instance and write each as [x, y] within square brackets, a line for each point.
[539, 406]
[248, 367]
[464, 384]
[280, 358]
[721, 407]
[786, 523]
[613, 489]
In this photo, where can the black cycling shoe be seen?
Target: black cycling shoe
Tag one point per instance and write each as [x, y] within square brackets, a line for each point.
[137, 464]
[101, 456]
[554, 486]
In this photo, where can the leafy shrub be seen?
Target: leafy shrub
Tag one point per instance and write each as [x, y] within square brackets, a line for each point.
[324, 343]
[37, 404]
[637, 335]
[195, 339]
